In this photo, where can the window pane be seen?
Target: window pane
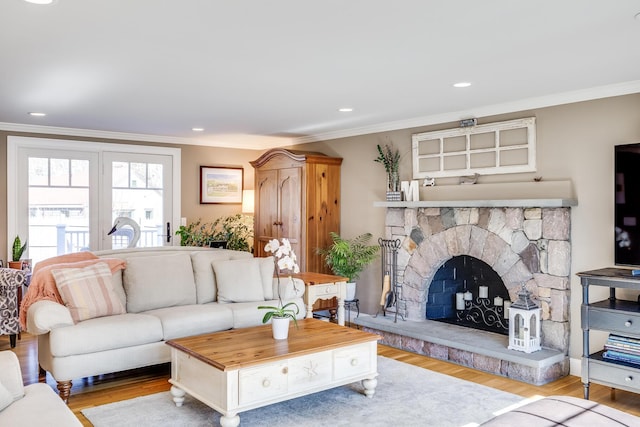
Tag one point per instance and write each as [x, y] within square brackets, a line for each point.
[79, 173]
[59, 172]
[38, 171]
[120, 174]
[155, 175]
[138, 175]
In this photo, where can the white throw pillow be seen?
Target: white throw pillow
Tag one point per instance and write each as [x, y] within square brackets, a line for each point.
[158, 281]
[239, 280]
[206, 288]
[88, 292]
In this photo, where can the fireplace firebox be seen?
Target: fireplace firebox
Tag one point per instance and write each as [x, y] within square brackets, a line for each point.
[466, 291]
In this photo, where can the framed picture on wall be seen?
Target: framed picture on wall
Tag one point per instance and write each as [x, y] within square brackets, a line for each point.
[219, 184]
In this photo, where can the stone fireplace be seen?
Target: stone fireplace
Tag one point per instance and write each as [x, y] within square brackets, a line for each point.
[522, 245]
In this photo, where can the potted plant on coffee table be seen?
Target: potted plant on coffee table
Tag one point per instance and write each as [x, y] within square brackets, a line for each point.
[280, 316]
[16, 253]
[349, 257]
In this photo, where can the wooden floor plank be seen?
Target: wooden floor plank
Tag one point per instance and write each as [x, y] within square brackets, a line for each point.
[103, 389]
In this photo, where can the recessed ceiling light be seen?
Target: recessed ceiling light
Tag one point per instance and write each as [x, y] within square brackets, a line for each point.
[36, 114]
[345, 109]
[39, 1]
[462, 84]
[197, 129]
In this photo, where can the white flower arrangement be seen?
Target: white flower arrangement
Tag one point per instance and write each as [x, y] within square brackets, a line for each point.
[286, 258]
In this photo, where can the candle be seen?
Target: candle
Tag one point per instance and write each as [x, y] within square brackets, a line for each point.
[468, 296]
[459, 301]
[483, 292]
[497, 301]
[507, 304]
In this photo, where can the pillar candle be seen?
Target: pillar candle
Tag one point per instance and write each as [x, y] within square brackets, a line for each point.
[468, 296]
[497, 301]
[507, 304]
[459, 301]
[483, 292]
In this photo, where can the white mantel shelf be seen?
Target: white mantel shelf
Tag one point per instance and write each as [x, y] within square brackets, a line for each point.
[544, 194]
[511, 203]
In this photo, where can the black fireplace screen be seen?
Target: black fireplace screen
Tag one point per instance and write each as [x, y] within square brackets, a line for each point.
[466, 291]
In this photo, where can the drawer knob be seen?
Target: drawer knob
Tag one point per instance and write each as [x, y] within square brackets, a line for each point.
[266, 383]
[354, 362]
[629, 379]
[627, 323]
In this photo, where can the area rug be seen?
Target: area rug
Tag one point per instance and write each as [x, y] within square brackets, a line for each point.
[406, 395]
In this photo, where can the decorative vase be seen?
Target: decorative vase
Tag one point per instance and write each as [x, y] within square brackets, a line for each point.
[393, 181]
[351, 291]
[15, 264]
[280, 326]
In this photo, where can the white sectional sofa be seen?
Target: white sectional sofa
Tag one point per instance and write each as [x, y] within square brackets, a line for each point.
[166, 293]
[31, 406]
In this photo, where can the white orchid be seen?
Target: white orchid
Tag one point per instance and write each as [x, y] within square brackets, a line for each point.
[286, 257]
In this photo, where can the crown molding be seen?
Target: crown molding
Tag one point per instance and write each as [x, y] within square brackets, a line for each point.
[599, 92]
[257, 142]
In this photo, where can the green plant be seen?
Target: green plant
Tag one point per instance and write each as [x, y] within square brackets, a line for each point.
[281, 312]
[349, 257]
[18, 249]
[389, 157]
[232, 229]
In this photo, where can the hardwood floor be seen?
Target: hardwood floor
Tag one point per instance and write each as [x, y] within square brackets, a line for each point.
[104, 389]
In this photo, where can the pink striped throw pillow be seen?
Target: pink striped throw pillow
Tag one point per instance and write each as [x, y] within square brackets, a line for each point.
[88, 292]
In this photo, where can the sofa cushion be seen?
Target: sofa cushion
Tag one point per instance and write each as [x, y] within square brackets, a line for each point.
[189, 320]
[87, 292]
[239, 280]
[40, 406]
[158, 281]
[206, 290]
[105, 333]
[6, 398]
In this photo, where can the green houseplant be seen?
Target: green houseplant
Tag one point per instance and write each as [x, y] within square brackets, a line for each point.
[17, 251]
[390, 159]
[233, 229]
[349, 257]
[280, 315]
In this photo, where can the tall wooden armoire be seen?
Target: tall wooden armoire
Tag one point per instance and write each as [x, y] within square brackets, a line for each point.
[297, 196]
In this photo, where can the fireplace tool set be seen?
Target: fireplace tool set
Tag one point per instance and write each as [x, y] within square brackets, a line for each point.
[391, 300]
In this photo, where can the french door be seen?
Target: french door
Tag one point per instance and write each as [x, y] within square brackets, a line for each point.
[64, 196]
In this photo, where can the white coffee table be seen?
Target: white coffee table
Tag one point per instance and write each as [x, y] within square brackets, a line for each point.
[238, 370]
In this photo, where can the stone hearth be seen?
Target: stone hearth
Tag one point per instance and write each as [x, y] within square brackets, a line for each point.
[523, 245]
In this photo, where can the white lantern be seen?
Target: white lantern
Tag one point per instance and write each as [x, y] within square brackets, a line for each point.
[524, 323]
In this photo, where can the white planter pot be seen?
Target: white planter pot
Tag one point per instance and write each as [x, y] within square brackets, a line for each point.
[280, 326]
[351, 291]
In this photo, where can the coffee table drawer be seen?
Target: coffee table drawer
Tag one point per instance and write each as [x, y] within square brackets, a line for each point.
[262, 383]
[350, 361]
[310, 371]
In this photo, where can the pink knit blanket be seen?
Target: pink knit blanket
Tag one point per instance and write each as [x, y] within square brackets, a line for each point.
[43, 285]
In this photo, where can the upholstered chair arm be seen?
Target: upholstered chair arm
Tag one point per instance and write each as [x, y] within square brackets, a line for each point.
[10, 374]
[288, 289]
[44, 315]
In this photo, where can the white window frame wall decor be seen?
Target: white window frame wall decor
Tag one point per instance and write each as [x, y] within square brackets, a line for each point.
[492, 148]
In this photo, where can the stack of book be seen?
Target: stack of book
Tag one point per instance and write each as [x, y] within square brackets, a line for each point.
[622, 349]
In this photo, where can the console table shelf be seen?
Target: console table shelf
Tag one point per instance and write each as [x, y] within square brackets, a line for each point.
[612, 315]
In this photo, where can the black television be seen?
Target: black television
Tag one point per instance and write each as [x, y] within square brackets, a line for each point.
[627, 205]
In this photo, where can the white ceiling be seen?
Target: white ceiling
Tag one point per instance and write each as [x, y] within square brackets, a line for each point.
[258, 73]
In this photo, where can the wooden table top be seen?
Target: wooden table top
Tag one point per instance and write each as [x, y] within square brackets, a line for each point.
[310, 278]
[239, 348]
